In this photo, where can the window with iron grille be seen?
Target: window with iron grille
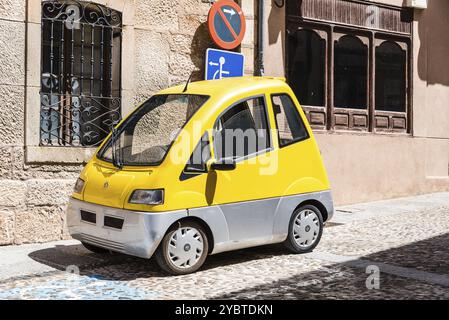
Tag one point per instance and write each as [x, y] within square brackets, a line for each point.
[349, 63]
[80, 73]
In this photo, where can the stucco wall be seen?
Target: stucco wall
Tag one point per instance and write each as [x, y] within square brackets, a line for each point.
[163, 42]
[365, 167]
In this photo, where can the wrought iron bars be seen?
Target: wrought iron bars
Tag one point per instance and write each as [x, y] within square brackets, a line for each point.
[80, 93]
[90, 120]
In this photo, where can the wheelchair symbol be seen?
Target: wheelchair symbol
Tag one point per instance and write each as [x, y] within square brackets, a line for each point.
[220, 72]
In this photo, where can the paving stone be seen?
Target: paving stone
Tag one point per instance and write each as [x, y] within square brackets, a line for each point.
[410, 248]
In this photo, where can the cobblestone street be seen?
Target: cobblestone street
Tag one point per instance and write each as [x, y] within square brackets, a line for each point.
[407, 239]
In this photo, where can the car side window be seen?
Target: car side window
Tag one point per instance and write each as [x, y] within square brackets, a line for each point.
[242, 130]
[289, 124]
[201, 154]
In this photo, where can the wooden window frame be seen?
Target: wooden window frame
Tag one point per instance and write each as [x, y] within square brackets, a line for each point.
[317, 115]
[356, 120]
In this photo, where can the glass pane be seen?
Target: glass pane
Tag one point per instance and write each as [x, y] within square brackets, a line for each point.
[293, 8]
[350, 73]
[307, 64]
[116, 66]
[289, 123]
[146, 136]
[242, 130]
[200, 155]
[390, 77]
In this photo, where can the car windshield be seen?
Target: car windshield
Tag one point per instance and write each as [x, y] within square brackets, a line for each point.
[146, 136]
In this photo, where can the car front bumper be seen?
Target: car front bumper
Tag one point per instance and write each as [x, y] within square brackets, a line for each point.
[139, 235]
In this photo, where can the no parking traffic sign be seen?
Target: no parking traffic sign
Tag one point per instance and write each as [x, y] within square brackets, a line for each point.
[227, 24]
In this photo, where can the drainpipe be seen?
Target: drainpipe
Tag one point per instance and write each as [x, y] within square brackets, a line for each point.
[260, 38]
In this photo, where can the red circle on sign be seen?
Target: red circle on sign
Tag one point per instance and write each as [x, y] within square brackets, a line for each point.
[217, 9]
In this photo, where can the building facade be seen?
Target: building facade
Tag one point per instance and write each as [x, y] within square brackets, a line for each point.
[373, 78]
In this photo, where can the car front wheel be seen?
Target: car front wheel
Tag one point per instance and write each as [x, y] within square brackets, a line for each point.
[305, 230]
[183, 249]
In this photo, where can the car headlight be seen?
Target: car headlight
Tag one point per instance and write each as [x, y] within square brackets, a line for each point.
[147, 197]
[79, 185]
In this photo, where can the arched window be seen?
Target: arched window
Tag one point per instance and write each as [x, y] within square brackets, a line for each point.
[350, 73]
[391, 66]
[80, 72]
[307, 65]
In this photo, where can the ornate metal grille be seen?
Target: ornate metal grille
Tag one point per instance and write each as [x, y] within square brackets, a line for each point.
[80, 73]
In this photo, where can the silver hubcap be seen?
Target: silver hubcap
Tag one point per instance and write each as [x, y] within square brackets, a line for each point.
[185, 247]
[306, 228]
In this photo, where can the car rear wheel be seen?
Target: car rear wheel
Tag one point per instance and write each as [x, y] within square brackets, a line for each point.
[183, 249]
[94, 249]
[305, 230]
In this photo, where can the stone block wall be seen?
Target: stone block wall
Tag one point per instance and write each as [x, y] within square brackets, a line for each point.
[165, 41]
[177, 30]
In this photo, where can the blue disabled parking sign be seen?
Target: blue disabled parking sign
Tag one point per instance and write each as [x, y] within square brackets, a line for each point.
[223, 64]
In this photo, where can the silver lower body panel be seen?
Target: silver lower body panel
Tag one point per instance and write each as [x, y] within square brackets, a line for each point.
[233, 226]
[258, 222]
[139, 236]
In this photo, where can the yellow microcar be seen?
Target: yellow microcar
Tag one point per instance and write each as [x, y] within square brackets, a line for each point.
[203, 168]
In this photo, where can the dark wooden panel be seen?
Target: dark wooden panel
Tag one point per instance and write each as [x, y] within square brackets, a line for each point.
[399, 123]
[351, 119]
[381, 122]
[317, 118]
[341, 120]
[356, 13]
[391, 122]
[360, 121]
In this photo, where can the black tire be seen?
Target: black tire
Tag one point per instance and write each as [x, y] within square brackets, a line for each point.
[291, 243]
[163, 257]
[94, 249]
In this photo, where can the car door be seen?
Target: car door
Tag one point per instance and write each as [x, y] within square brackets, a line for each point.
[246, 195]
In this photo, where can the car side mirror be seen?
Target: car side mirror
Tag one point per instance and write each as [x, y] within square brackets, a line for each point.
[223, 166]
[195, 168]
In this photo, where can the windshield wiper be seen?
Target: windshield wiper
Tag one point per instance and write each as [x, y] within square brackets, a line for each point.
[116, 160]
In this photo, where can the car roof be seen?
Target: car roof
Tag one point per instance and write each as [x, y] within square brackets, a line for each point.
[227, 86]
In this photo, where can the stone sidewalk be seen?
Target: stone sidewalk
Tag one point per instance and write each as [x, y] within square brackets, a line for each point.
[406, 240]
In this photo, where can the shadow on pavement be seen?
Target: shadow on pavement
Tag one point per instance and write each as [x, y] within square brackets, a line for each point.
[330, 281]
[430, 255]
[348, 280]
[62, 256]
[339, 282]
[120, 267]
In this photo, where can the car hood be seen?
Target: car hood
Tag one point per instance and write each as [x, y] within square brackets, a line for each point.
[109, 186]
